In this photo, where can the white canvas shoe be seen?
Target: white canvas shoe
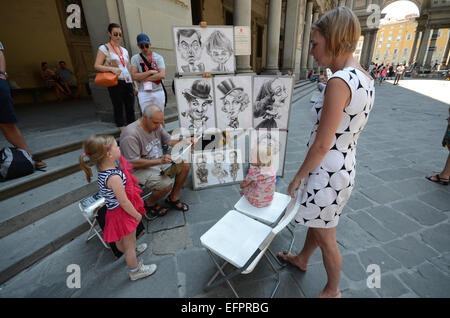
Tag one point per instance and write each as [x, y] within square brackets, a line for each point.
[143, 271]
[141, 249]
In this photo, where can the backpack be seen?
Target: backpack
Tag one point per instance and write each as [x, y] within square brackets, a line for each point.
[15, 163]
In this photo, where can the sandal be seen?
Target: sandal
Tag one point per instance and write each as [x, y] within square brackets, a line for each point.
[156, 210]
[175, 205]
[39, 164]
[438, 180]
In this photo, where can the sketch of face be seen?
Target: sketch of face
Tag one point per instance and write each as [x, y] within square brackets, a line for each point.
[231, 106]
[280, 93]
[220, 55]
[198, 107]
[190, 48]
[218, 159]
[201, 162]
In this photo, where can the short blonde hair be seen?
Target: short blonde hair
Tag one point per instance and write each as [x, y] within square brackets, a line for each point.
[341, 30]
[262, 153]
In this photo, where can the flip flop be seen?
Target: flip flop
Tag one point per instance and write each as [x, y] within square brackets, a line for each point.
[174, 204]
[439, 180]
[285, 263]
[39, 164]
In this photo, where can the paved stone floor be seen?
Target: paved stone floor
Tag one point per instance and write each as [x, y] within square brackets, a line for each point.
[395, 219]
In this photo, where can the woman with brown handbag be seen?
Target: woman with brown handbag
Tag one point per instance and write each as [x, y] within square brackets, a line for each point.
[113, 58]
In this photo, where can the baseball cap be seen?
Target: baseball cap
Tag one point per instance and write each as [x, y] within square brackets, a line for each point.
[143, 39]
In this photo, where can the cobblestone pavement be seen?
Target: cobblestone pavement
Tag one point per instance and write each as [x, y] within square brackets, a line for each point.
[395, 219]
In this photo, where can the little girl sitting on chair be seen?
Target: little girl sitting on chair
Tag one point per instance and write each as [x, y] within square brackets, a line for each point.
[122, 198]
[259, 185]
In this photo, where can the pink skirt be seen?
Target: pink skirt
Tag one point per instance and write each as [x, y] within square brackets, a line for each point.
[118, 224]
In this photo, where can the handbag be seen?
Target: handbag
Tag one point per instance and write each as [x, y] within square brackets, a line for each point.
[106, 79]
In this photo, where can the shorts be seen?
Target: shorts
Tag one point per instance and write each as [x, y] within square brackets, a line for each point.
[7, 113]
[150, 98]
[152, 178]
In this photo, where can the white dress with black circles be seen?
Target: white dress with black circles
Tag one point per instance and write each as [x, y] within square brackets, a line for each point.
[328, 187]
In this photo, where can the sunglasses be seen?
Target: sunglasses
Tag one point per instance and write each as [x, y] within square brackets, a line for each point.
[142, 46]
[117, 34]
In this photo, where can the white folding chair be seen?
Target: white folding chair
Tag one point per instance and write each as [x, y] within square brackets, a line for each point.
[89, 207]
[269, 215]
[242, 241]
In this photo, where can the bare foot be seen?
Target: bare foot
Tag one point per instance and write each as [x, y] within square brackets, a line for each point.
[324, 294]
[294, 260]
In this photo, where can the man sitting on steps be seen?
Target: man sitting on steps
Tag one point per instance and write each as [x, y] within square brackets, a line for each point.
[141, 144]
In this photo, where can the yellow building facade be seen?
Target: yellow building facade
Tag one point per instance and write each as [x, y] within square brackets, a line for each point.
[395, 41]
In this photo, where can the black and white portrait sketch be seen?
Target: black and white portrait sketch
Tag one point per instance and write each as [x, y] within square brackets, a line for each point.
[195, 103]
[189, 49]
[218, 171]
[200, 50]
[220, 49]
[276, 140]
[233, 96]
[202, 172]
[218, 167]
[272, 99]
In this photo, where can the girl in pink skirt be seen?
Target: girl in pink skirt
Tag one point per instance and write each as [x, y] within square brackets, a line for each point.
[122, 198]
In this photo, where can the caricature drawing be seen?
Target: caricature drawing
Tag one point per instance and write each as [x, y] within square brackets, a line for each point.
[220, 49]
[218, 171]
[199, 99]
[234, 166]
[202, 172]
[234, 101]
[271, 98]
[189, 45]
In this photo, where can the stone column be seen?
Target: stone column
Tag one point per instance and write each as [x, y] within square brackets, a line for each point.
[310, 57]
[371, 45]
[290, 35]
[364, 47]
[350, 4]
[412, 57]
[306, 39]
[341, 3]
[431, 48]
[242, 16]
[273, 37]
[299, 39]
[445, 57]
[423, 46]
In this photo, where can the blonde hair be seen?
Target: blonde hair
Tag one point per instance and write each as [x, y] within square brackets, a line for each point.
[341, 29]
[95, 148]
[263, 154]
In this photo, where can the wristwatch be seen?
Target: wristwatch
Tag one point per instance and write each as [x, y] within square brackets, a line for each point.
[4, 73]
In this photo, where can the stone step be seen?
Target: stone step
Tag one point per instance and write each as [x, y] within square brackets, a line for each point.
[25, 247]
[30, 206]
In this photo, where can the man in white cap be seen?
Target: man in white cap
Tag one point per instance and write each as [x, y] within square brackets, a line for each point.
[148, 69]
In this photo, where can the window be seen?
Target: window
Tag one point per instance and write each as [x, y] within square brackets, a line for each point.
[379, 46]
[405, 51]
[386, 52]
[357, 51]
[400, 31]
[389, 38]
[396, 44]
[395, 51]
[390, 32]
[378, 52]
[380, 40]
[388, 45]
[399, 37]
[408, 37]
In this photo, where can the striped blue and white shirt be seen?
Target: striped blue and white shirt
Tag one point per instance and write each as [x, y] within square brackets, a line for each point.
[110, 198]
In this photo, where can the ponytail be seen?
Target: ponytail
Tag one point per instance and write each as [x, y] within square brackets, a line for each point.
[85, 167]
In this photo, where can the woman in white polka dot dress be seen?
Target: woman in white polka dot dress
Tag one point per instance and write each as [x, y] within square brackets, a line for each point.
[339, 116]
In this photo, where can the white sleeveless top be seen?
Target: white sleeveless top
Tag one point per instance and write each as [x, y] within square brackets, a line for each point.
[328, 187]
